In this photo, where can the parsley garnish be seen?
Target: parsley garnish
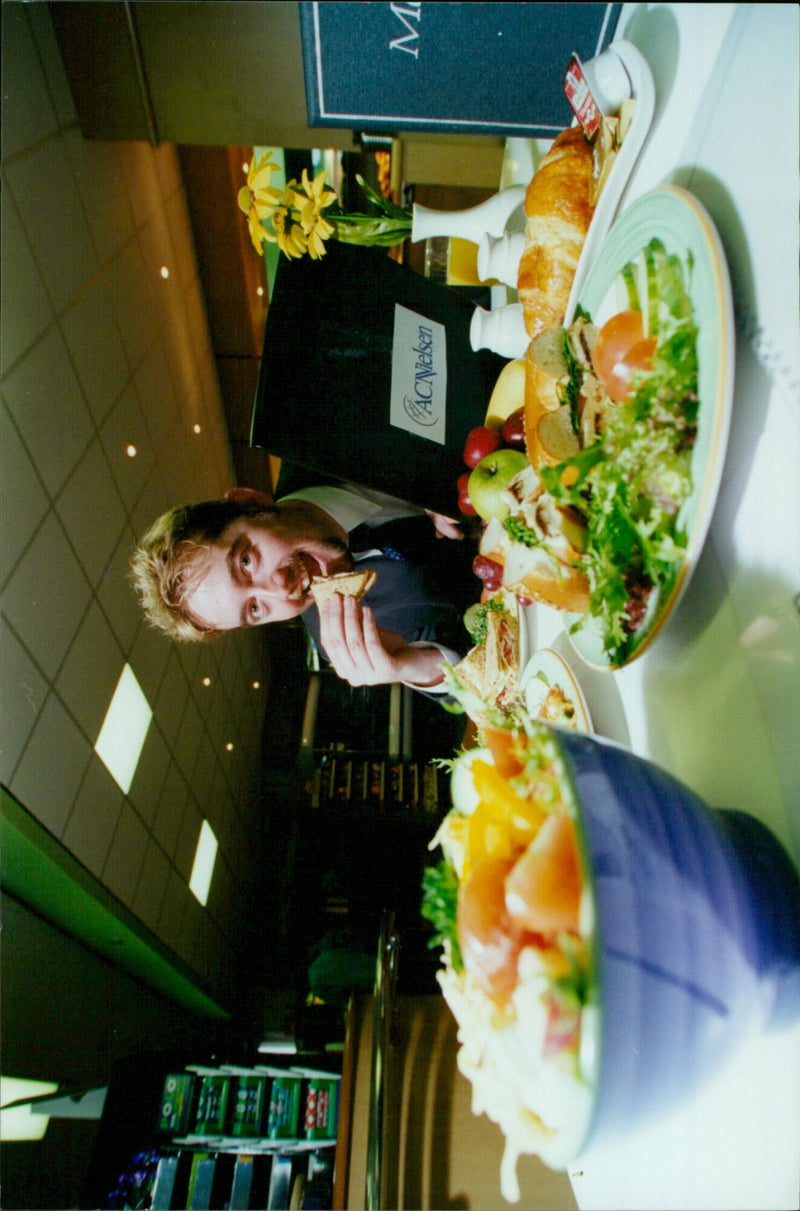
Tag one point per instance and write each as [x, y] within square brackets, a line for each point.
[479, 624]
[440, 907]
[519, 532]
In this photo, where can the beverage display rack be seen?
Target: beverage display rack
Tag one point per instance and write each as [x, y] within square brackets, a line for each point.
[246, 1137]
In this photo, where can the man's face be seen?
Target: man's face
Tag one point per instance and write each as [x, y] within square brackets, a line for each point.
[260, 568]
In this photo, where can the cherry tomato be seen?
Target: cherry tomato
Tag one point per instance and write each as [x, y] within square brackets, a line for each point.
[489, 944]
[621, 351]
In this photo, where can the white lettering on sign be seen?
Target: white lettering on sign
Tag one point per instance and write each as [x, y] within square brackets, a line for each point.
[408, 42]
[418, 400]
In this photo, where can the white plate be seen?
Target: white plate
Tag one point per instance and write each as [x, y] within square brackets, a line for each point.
[682, 224]
[543, 671]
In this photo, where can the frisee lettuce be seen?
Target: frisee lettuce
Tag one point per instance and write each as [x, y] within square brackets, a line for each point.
[631, 484]
[440, 907]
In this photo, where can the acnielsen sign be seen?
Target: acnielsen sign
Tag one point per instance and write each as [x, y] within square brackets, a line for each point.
[419, 375]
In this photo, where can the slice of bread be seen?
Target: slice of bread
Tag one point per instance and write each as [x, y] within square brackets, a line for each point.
[349, 584]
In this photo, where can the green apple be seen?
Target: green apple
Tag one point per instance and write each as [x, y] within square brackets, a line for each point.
[490, 478]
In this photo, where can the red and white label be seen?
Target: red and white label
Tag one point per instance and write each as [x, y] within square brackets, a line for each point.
[579, 95]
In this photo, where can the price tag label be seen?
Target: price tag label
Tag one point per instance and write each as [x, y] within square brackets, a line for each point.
[579, 95]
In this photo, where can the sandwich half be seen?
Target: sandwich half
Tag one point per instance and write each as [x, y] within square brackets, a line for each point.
[348, 584]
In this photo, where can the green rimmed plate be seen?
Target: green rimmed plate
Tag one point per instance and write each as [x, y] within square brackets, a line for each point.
[681, 223]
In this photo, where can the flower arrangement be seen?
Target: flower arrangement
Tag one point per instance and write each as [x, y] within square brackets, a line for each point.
[307, 213]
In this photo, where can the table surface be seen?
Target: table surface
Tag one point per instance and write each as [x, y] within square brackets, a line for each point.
[716, 699]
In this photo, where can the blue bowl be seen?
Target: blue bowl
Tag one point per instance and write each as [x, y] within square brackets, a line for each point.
[697, 932]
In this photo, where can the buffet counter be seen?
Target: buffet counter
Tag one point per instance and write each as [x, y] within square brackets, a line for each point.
[715, 699]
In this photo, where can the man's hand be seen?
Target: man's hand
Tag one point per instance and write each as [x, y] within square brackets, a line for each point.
[364, 654]
[446, 527]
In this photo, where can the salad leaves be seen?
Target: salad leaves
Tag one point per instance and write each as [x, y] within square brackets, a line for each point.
[631, 483]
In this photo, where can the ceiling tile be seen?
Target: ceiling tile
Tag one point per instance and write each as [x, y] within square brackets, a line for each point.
[25, 501]
[101, 187]
[175, 906]
[191, 736]
[169, 814]
[94, 817]
[176, 211]
[201, 780]
[90, 672]
[46, 401]
[56, 78]
[168, 169]
[150, 776]
[124, 428]
[157, 399]
[131, 297]
[172, 697]
[54, 219]
[96, 349]
[148, 658]
[158, 252]
[153, 877]
[155, 499]
[52, 767]
[125, 858]
[116, 595]
[25, 308]
[186, 847]
[47, 596]
[23, 690]
[28, 112]
[92, 512]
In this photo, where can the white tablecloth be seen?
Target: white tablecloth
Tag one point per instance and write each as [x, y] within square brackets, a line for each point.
[716, 700]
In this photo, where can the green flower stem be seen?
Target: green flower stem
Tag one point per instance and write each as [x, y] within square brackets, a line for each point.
[370, 229]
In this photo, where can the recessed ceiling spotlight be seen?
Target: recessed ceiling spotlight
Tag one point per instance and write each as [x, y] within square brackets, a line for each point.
[196, 429]
[131, 450]
[229, 746]
[260, 291]
[206, 681]
[164, 272]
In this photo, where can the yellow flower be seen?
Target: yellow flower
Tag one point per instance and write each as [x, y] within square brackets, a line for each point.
[313, 199]
[289, 235]
[257, 199]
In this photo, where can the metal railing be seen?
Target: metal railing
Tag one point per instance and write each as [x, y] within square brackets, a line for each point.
[385, 982]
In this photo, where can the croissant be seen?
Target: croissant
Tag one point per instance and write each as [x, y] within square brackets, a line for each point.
[558, 212]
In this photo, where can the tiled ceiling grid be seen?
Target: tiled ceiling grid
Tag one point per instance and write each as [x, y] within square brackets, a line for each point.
[99, 352]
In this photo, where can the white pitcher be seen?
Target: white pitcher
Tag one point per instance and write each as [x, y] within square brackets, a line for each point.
[471, 224]
[502, 330]
[499, 257]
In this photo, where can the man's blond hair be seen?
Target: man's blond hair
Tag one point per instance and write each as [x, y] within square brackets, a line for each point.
[171, 558]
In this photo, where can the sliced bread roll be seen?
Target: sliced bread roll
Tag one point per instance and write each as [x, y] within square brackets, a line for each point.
[559, 209]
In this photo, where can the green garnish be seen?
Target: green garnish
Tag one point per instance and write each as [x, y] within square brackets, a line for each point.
[476, 620]
[519, 532]
[571, 391]
[440, 907]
